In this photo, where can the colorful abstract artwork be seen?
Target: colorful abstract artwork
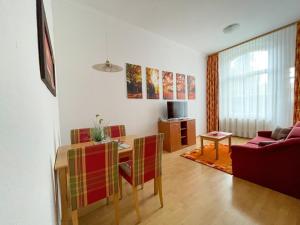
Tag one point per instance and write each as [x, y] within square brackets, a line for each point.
[152, 77]
[167, 82]
[191, 86]
[180, 86]
[134, 81]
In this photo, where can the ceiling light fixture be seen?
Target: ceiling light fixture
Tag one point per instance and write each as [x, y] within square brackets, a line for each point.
[230, 28]
[107, 66]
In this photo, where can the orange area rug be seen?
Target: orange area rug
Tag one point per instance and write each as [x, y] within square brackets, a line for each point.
[209, 157]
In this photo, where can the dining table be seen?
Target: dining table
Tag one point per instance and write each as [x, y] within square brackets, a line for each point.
[61, 169]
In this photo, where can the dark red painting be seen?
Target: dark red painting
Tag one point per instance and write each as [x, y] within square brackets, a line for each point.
[46, 60]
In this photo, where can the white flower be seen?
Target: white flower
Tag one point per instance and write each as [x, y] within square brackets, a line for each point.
[98, 119]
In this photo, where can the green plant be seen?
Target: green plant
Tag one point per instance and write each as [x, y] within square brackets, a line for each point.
[97, 131]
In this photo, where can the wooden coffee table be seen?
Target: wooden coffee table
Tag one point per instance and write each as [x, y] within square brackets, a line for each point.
[216, 136]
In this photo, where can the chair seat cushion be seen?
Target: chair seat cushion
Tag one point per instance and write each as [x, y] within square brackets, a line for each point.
[123, 159]
[125, 170]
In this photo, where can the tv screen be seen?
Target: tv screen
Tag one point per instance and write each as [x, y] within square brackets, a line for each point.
[177, 109]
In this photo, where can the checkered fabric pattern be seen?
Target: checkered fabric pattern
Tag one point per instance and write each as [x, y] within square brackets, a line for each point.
[115, 131]
[92, 173]
[146, 163]
[81, 135]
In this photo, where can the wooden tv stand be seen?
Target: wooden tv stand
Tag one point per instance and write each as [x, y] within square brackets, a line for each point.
[179, 133]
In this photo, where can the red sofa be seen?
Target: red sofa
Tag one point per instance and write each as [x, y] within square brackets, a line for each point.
[276, 166]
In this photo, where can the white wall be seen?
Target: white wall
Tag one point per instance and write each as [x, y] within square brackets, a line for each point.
[84, 92]
[29, 131]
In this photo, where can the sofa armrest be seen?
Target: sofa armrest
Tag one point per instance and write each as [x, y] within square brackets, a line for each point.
[289, 144]
[260, 164]
[264, 133]
[244, 154]
[245, 149]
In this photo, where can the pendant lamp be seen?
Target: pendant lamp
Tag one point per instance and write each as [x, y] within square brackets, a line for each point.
[107, 66]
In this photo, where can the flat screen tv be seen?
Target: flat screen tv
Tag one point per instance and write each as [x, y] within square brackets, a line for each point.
[177, 109]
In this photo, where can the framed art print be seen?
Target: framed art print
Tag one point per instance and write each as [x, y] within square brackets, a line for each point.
[134, 81]
[152, 78]
[47, 68]
[180, 86]
[191, 85]
[167, 82]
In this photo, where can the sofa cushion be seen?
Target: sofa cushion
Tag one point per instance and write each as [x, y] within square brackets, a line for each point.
[264, 133]
[275, 133]
[265, 143]
[295, 133]
[258, 139]
[284, 133]
[250, 145]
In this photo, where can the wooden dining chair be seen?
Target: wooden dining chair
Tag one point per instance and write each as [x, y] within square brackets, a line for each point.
[81, 135]
[145, 166]
[93, 175]
[115, 131]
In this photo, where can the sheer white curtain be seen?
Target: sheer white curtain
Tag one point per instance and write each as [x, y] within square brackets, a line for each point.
[256, 84]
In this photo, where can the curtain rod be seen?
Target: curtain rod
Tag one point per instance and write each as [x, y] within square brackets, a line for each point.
[251, 39]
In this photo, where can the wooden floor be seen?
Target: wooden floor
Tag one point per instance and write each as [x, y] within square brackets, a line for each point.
[195, 194]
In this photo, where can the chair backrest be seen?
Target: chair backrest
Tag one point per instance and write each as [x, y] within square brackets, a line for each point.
[147, 157]
[115, 131]
[92, 173]
[81, 135]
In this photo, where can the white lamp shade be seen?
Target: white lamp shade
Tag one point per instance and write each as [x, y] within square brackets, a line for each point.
[107, 67]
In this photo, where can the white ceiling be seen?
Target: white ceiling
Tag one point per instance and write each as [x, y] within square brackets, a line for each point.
[198, 23]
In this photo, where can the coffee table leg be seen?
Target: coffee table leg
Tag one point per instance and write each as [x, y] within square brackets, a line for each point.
[201, 140]
[229, 144]
[217, 150]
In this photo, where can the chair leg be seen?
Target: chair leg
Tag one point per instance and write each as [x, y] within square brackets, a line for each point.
[136, 203]
[75, 217]
[107, 200]
[120, 187]
[160, 191]
[155, 186]
[116, 205]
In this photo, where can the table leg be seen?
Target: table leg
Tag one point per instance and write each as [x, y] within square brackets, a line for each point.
[63, 196]
[201, 140]
[229, 144]
[217, 149]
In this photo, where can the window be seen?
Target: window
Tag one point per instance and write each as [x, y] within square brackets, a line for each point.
[257, 83]
[246, 69]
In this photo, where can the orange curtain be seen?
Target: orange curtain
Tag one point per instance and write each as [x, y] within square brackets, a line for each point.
[297, 78]
[212, 93]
